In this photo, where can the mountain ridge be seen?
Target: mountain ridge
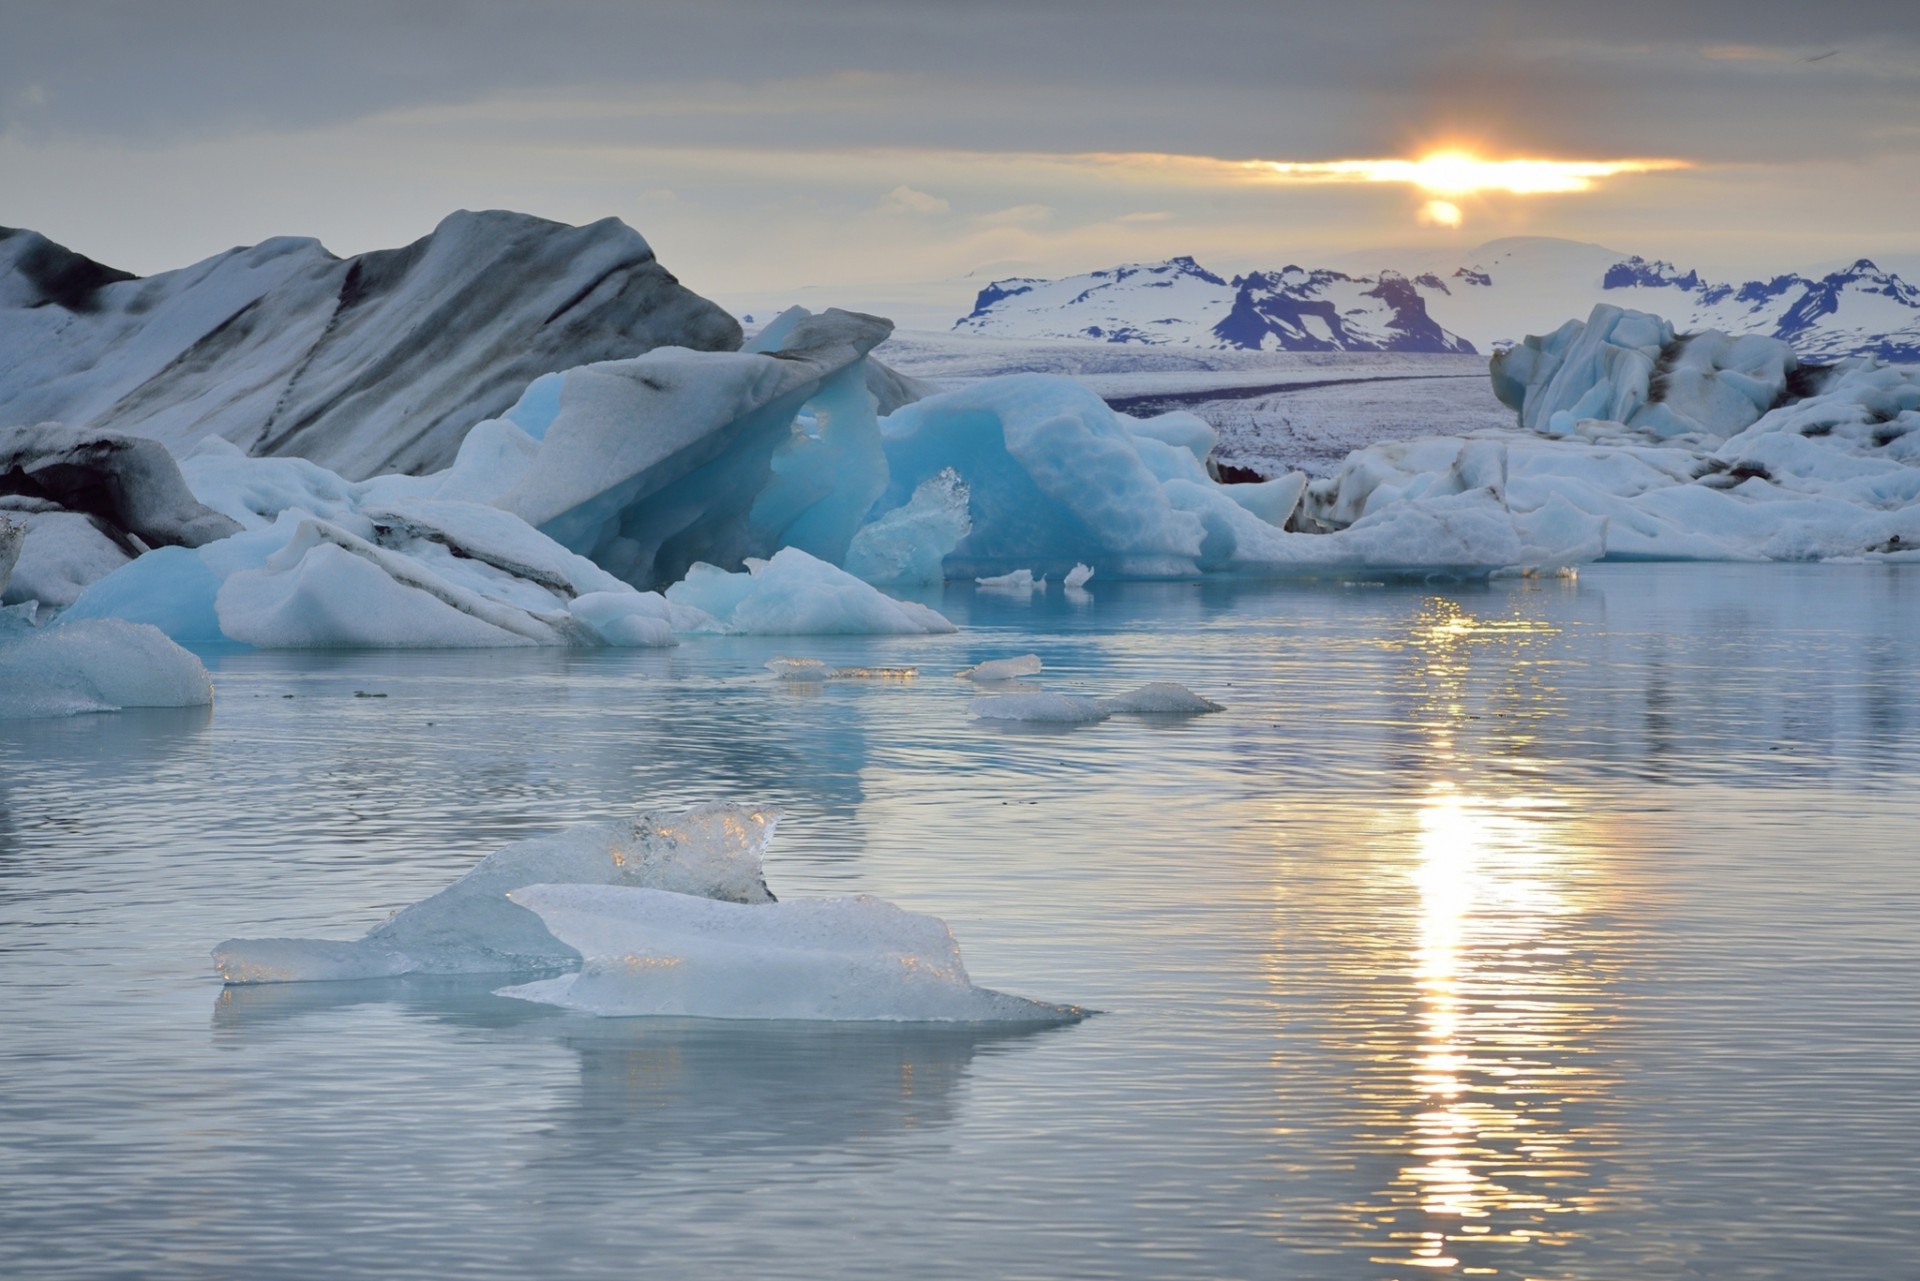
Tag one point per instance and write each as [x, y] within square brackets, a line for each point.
[1495, 294]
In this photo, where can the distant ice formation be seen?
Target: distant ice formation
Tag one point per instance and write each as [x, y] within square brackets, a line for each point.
[1641, 443]
[645, 952]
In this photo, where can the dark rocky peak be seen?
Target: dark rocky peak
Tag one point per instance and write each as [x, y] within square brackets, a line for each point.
[36, 272]
[1658, 274]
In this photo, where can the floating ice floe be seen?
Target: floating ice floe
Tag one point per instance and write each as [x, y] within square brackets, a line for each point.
[1043, 708]
[1001, 669]
[710, 851]
[794, 594]
[1648, 445]
[814, 671]
[645, 952]
[1021, 581]
[667, 914]
[1077, 576]
[1160, 698]
[99, 665]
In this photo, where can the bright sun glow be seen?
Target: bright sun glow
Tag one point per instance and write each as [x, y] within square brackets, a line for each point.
[1459, 173]
[1441, 213]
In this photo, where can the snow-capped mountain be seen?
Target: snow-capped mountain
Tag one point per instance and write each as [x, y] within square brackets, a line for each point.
[1498, 293]
[370, 364]
[1180, 302]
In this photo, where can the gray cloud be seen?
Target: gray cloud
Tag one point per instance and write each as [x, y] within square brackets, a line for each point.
[1235, 78]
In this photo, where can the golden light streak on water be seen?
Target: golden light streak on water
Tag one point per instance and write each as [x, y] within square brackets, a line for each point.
[1481, 1088]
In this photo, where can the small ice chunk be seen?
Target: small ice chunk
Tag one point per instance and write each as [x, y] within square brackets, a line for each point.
[95, 665]
[798, 669]
[1019, 580]
[1002, 669]
[710, 851]
[1077, 576]
[647, 952]
[794, 594]
[1162, 698]
[1040, 709]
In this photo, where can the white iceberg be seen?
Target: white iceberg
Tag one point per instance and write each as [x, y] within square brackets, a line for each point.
[712, 851]
[1644, 444]
[646, 952]
[795, 594]
[1078, 576]
[96, 665]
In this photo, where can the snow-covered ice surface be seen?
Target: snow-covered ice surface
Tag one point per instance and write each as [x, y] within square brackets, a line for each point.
[647, 952]
[475, 927]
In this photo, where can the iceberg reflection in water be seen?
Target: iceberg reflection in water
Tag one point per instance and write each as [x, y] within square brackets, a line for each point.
[1554, 929]
[658, 1096]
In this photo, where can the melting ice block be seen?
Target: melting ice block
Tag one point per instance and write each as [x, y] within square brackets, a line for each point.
[711, 851]
[94, 665]
[647, 952]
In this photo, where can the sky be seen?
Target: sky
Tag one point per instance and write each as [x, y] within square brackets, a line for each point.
[914, 151]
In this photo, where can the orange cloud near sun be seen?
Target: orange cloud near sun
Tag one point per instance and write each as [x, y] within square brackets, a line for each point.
[1459, 173]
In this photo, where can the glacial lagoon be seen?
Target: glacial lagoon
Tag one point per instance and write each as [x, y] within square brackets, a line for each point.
[1535, 928]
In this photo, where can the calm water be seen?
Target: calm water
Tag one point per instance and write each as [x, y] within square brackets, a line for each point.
[1528, 930]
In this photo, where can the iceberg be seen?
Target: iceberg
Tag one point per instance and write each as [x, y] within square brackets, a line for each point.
[1639, 443]
[795, 594]
[96, 665]
[1078, 576]
[710, 851]
[646, 952]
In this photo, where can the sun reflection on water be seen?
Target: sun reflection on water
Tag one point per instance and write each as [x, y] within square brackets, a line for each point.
[1480, 1090]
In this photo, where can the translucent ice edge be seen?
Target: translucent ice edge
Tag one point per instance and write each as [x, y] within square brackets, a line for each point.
[648, 952]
